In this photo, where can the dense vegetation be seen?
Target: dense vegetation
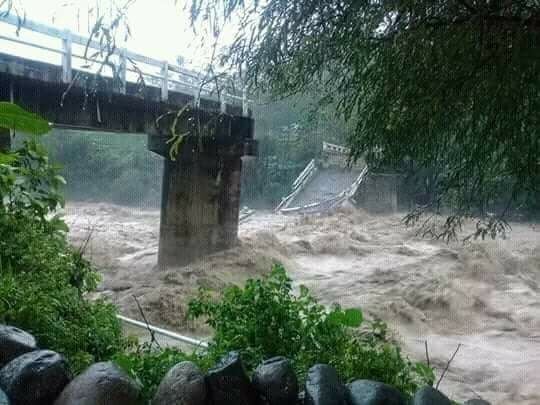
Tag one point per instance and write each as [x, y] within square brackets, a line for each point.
[448, 87]
[43, 280]
[265, 319]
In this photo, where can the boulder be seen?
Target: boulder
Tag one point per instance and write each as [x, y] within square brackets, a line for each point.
[276, 381]
[182, 385]
[101, 384]
[13, 343]
[323, 386]
[477, 401]
[430, 396]
[229, 384]
[3, 398]
[366, 392]
[35, 378]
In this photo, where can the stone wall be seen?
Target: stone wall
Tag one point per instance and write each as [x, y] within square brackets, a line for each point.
[29, 375]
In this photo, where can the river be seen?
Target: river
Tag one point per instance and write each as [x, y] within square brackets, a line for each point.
[483, 295]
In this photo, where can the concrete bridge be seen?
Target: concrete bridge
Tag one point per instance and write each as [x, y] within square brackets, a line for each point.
[201, 185]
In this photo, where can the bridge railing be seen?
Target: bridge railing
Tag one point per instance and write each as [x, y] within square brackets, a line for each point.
[169, 77]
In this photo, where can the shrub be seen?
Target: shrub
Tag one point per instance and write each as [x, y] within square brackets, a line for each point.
[148, 365]
[43, 281]
[265, 319]
[47, 306]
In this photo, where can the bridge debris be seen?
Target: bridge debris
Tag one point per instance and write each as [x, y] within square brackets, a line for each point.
[326, 184]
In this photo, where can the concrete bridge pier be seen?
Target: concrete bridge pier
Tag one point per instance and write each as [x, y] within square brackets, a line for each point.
[201, 187]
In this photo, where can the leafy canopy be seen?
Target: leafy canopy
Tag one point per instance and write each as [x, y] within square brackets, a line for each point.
[43, 280]
[451, 85]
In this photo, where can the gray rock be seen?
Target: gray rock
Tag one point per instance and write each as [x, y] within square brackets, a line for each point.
[430, 396]
[276, 381]
[101, 384]
[366, 392]
[477, 402]
[35, 378]
[228, 383]
[323, 386]
[182, 385]
[13, 343]
[3, 398]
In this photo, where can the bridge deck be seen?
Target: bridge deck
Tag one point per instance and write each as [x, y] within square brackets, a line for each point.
[325, 185]
[127, 89]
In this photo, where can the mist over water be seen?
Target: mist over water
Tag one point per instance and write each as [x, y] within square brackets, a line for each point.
[484, 295]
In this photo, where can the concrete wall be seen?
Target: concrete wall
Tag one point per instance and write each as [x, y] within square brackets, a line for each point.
[378, 193]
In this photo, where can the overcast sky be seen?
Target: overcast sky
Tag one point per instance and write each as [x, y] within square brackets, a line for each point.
[159, 28]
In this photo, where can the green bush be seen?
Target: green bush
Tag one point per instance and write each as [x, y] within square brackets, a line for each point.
[266, 319]
[48, 307]
[148, 365]
[43, 280]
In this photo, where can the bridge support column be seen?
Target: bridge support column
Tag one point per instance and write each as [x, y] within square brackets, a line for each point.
[201, 192]
[200, 207]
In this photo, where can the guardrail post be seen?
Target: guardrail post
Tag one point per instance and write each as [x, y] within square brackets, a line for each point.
[245, 109]
[66, 57]
[165, 81]
[197, 97]
[122, 71]
[223, 104]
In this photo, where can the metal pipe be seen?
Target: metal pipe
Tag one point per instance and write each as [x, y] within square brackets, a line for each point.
[164, 332]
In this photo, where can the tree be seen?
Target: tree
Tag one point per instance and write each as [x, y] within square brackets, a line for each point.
[451, 86]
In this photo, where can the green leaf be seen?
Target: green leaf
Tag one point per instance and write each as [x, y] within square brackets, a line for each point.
[336, 317]
[7, 158]
[60, 179]
[352, 318]
[14, 117]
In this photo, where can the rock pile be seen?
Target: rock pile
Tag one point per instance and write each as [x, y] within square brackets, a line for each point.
[30, 376]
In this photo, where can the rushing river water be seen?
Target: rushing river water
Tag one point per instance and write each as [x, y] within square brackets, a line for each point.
[484, 295]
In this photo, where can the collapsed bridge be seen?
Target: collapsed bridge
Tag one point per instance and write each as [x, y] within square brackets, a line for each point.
[327, 183]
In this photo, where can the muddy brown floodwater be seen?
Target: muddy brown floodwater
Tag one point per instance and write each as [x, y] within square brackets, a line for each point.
[484, 295]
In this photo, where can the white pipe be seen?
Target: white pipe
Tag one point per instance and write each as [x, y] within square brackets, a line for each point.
[164, 332]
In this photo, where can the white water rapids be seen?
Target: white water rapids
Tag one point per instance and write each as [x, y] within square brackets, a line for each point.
[484, 295]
